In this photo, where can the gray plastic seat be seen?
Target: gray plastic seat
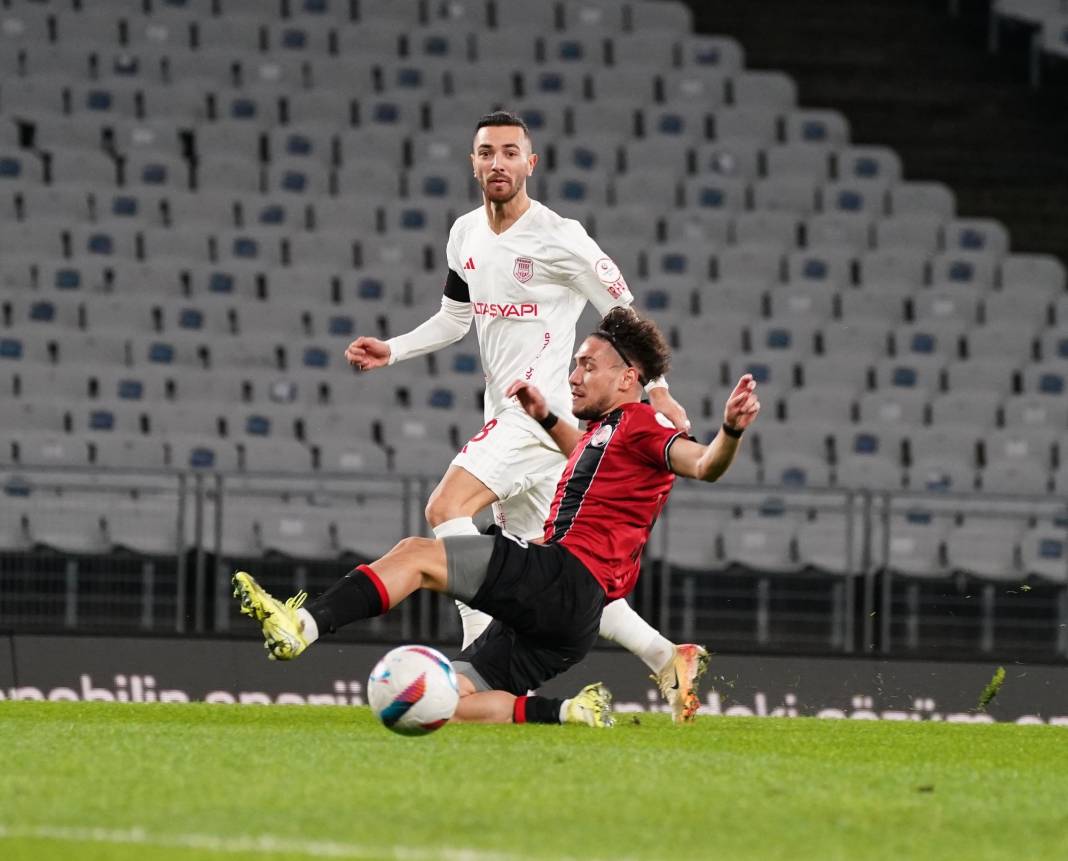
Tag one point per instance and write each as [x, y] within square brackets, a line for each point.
[761, 544]
[872, 305]
[702, 50]
[988, 374]
[808, 125]
[1030, 411]
[767, 227]
[1042, 271]
[692, 536]
[67, 528]
[809, 160]
[855, 340]
[946, 473]
[976, 234]
[916, 232]
[824, 544]
[729, 157]
[846, 231]
[299, 532]
[927, 198]
[1018, 308]
[1014, 477]
[985, 548]
[868, 164]
[1044, 554]
[896, 407]
[898, 267]
[914, 549]
[145, 530]
[707, 84]
[974, 410]
[787, 194]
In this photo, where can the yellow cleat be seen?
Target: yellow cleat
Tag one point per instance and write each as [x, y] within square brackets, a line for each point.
[591, 706]
[678, 681]
[283, 632]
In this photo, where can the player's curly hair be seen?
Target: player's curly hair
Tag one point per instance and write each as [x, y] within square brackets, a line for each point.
[639, 342]
[504, 118]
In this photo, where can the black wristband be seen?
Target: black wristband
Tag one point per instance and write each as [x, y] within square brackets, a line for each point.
[549, 422]
[733, 433]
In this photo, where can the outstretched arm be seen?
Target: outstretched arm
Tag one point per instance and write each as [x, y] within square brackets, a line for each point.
[446, 327]
[709, 462]
[530, 399]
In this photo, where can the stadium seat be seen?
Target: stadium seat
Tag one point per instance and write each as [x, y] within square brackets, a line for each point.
[971, 410]
[913, 547]
[990, 375]
[868, 164]
[892, 407]
[1032, 270]
[845, 231]
[816, 127]
[68, 528]
[922, 198]
[824, 544]
[1044, 554]
[1016, 310]
[972, 268]
[764, 545]
[789, 194]
[916, 232]
[976, 234]
[808, 160]
[984, 548]
[720, 52]
[904, 268]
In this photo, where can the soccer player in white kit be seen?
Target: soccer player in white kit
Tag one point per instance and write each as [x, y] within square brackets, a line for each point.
[524, 274]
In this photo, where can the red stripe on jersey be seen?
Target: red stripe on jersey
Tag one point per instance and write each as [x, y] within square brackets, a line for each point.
[615, 483]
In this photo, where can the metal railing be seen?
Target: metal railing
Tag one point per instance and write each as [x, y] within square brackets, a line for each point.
[855, 603]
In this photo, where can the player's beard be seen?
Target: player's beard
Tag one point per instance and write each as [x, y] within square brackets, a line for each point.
[517, 185]
[590, 411]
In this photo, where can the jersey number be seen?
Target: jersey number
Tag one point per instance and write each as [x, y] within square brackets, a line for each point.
[482, 434]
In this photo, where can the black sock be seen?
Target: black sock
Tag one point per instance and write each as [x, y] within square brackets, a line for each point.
[360, 594]
[532, 709]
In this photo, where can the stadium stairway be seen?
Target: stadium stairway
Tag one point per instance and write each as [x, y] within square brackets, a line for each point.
[911, 75]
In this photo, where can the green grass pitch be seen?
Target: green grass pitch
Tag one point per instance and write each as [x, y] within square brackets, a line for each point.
[113, 781]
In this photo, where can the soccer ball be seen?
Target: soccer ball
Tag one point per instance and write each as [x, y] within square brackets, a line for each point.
[413, 690]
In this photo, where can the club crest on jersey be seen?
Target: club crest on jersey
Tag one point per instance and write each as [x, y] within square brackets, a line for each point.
[523, 269]
[609, 275]
[601, 436]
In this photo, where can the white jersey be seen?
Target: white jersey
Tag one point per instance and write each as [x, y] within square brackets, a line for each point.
[528, 286]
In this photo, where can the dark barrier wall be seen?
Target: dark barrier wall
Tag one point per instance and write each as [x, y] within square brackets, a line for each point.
[7, 666]
[229, 671]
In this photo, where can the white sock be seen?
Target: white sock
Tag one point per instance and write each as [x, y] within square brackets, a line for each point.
[310, 629]
[563, 710]
[456, 526]
[474, 621]
[621, 624]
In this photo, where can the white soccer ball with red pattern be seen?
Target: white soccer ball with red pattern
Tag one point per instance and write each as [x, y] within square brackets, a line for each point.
[413, 690]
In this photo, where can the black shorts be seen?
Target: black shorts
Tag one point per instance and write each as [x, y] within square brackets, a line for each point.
[546, 609]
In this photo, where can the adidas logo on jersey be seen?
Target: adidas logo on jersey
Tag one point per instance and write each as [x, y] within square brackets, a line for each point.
[470, 264]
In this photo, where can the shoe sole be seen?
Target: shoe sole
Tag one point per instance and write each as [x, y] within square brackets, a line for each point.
[691, 702]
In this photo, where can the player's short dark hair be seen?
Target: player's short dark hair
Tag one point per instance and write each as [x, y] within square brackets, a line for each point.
[504, 118]
[639, 342]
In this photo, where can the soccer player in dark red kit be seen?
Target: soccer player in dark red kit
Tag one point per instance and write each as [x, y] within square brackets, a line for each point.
[546, 599]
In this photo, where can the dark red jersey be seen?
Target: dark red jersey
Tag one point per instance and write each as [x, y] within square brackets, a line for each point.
[616, 481]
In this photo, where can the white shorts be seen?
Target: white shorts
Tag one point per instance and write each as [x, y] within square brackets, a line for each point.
[517, 461]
